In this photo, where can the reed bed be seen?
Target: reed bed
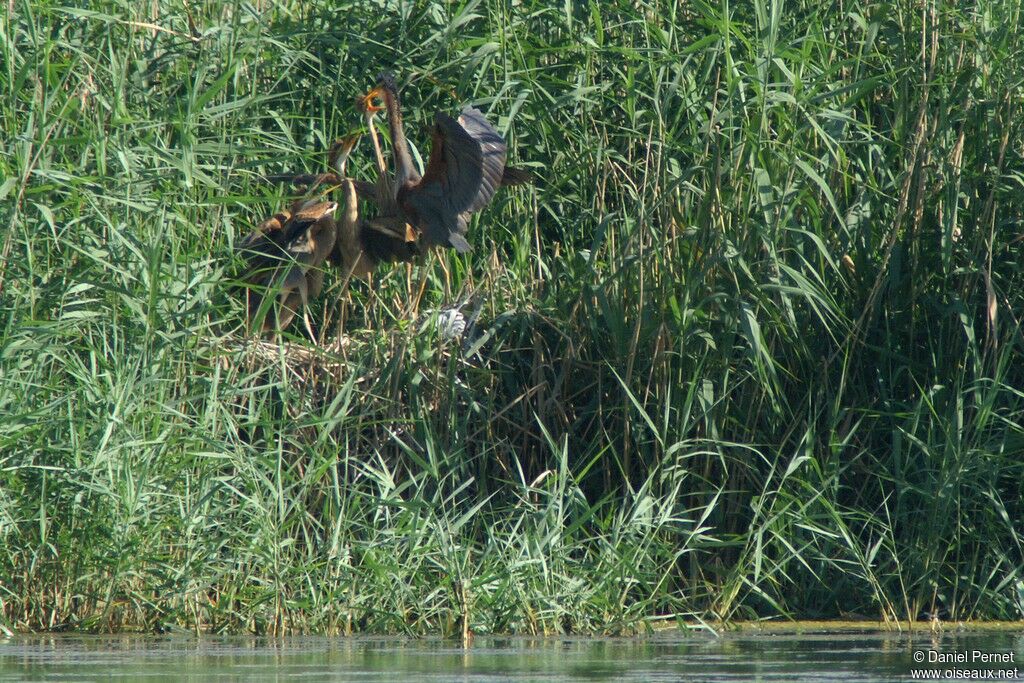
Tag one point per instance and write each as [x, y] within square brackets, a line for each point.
[748, 349]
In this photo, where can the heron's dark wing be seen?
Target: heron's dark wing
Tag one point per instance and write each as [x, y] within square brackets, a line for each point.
[387, 239]
[465, 169]
[492, 155]
[466, 163]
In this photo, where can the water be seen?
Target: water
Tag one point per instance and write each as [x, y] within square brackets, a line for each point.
[818, 656]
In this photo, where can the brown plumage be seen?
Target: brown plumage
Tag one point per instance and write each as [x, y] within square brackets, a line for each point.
[283, 258]
[362, 244]
[465, 169]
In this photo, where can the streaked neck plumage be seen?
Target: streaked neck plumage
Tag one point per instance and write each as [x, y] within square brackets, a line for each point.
[404, 170]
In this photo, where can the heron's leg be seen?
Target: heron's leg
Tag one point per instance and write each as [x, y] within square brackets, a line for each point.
[305, 315]
[309, 326]
[421, 289]
[447, 279]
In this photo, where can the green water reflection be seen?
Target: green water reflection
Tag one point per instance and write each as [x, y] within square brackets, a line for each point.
[848, 657]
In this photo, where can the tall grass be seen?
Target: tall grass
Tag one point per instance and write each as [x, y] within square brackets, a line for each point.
[749, 348]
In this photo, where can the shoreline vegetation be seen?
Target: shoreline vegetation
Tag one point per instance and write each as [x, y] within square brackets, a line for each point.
[749, 349]
[653, 629]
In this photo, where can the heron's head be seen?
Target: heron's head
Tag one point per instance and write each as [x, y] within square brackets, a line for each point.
[366, 103]
[340, 150]
[385, 85]
[386, 81]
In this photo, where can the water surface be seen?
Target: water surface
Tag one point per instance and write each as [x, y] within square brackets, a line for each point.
[676, 656]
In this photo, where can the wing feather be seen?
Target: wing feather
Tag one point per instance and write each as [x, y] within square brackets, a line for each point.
[467, 161]
[491, 157]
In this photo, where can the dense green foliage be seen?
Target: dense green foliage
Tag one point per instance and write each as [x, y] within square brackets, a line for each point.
[750, 347]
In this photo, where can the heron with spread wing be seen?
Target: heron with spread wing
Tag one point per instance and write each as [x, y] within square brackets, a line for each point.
[465, 169]
[286, 253]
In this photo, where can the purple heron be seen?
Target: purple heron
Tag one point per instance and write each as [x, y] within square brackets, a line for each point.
[465, 169]
[286, 253]
[283, 257]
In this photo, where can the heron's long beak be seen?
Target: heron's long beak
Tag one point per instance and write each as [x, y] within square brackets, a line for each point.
[365, 103]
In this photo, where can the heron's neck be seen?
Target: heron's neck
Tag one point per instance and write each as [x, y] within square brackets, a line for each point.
[382, 167]
[403, 161]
